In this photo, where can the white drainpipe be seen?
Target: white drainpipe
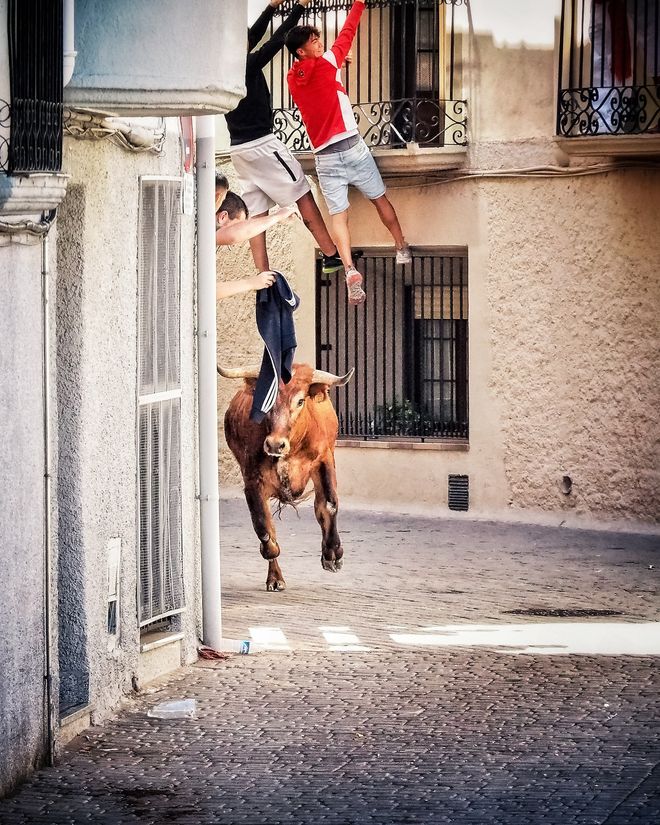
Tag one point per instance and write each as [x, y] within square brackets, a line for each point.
[69, 51]
[207, 383]
[48, 549]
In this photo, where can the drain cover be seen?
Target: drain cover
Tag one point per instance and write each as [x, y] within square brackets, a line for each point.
[563, 612]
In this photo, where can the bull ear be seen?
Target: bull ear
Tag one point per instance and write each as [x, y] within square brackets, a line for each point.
[318, 391]
[330, 379]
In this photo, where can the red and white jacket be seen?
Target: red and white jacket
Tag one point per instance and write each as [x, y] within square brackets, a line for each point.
[316, 88]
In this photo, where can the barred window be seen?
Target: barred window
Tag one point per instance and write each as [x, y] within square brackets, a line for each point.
[408, 344]
[33, 114]
[609, 68]
[160, 574]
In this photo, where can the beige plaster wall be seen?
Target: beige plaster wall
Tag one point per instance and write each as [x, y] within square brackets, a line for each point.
[564, 299]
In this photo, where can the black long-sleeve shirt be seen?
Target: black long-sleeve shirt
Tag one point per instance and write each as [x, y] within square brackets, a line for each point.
[253, 117]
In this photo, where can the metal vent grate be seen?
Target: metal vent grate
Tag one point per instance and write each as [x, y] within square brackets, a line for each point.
[458, 492]
[160, 582]
[161, 551]
[159, 286]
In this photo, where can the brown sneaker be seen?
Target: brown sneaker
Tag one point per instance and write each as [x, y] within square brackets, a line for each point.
[356, 295]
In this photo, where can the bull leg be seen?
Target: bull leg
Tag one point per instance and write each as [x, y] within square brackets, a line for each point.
[326, 505]
[262, 521]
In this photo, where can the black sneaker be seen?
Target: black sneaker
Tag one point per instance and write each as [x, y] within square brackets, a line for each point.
[331, 263]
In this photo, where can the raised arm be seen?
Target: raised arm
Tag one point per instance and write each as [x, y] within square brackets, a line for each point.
[345, 37]
[267, 52]
[250, 228]
[258, 29]
[225, 289]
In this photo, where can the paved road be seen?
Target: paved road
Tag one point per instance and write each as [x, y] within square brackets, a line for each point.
[430, 681]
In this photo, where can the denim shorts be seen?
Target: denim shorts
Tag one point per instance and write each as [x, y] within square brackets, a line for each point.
[355, 166]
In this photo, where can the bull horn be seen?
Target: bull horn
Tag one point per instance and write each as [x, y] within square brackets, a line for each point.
[239, 372]
[332, 380]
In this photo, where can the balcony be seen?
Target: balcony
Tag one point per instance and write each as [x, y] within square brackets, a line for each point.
[31, 107]
[609, 77]
[403, 76]
[158, 59]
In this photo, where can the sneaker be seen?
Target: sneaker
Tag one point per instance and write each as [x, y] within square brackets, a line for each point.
[404, 255]
[331, 263]
[356, 294]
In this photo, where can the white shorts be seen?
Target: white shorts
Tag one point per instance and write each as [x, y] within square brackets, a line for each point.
[268, 174]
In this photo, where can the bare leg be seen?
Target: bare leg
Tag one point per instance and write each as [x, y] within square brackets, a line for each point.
[342, 237]
[313, 220]
[258, 247]
[356, 294]
[388, 216]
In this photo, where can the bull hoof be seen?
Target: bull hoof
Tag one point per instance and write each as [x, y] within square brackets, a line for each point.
[273, 587]
[332, 565]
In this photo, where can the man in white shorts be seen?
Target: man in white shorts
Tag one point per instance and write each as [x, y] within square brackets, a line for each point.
[268, 173]
[341, 155]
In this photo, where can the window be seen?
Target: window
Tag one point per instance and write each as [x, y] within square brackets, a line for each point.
[160, 574]
[34, 113]
[415, 72]
[609, 68]
[408, 344]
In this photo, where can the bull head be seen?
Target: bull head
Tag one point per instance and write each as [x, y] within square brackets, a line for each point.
[306, 386]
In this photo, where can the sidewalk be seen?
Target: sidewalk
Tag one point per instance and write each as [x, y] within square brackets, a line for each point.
[367, 711]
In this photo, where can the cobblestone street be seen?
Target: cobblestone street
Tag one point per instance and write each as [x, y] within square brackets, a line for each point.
[450, 673]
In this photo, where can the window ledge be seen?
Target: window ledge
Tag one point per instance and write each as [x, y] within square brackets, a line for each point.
[151, 641]
[590, 145]
[31, 194]
[411, 160]
[460, 445]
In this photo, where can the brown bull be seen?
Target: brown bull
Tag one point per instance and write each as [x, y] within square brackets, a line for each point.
[278, 457]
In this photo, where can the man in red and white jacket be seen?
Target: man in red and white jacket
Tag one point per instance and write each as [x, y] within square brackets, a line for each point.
[341, 156]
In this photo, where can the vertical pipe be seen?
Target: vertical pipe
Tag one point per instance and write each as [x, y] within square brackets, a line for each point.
[208, 399]
[452, 54]
[633, 45]
[69, 57]
[581, 51]
[365, 345]
[47, 560]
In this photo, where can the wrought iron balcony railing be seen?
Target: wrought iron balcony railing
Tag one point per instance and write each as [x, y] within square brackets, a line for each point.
[31, 121]
[609, 68]
[402, 73]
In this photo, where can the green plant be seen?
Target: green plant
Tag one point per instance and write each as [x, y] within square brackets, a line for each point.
[396, 418]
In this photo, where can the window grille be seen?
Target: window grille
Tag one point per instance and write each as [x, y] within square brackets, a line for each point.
[408, 344]
[34, 113]
[160, 574]
[609, 68]
[402, 78]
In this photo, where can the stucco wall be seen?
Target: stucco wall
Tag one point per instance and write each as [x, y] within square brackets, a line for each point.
[578, 387]
[21, 513]
[97, 394]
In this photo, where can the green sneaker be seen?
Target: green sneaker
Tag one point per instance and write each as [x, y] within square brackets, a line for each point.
[331, 263]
